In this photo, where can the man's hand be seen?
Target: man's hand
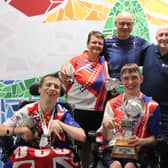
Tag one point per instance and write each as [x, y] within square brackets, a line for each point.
[111, 123]
[109, 36]
[56, 128]
[28, 135]
[136, 141]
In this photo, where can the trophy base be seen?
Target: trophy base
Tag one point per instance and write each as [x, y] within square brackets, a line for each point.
[122, 149]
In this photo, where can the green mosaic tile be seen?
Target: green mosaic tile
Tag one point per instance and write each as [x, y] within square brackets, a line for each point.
[127, 3]
[27, 94]
[18, 90]
[2, 94]
[14, 89]
[22, 86]
[29, 82]
[8, 95]
[1, 85]
[108, 23]
[20, 95]
[7, 89]
[117, 4]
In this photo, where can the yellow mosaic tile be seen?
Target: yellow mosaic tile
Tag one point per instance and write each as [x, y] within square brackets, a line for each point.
[157, 6]
[79, 10]
[109, 1]
[156, 21]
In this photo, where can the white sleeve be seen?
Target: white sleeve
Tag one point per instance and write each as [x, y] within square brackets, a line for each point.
[20, 114]
[70, 69]
[107, 113]
[107, 69]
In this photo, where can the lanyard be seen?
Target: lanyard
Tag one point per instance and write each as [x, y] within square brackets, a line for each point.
[43, 123]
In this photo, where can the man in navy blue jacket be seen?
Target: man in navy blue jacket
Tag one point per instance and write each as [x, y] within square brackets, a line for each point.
[124, 48]
[156, 84]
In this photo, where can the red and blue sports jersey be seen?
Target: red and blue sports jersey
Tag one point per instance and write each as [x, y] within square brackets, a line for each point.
[61, 113]
[60, 156]
[147, 124]
[88, 91]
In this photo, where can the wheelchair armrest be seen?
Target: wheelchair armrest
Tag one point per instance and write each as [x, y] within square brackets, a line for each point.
[96, 140]
[7, 145]
[162, 139]
[91, 136]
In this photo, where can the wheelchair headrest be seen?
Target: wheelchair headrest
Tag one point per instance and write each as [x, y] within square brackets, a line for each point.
[34, 89]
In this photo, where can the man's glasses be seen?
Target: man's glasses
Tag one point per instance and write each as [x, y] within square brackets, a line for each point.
[129, 24]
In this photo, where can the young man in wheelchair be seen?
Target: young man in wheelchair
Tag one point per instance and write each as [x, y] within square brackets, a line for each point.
[44, 124]
[143, 131]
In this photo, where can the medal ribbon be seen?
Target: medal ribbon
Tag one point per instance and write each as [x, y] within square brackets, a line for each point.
[43, 123]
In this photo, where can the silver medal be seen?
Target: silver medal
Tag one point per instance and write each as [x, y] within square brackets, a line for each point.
[44, 141]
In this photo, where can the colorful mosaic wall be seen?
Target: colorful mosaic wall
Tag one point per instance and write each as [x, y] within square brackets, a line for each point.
[65, 10]
[79, 10]
[11, 93]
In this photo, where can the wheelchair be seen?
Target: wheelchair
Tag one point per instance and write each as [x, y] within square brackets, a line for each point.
[99, 146]
[13, 146]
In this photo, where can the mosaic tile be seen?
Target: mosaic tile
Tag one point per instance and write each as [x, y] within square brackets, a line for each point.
[79, 10]
[32, 7]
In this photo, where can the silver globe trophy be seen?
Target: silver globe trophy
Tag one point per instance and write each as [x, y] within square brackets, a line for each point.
[25, 121]
[112, 83]
[134, 108]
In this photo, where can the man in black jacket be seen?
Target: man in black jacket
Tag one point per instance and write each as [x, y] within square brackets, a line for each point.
[156, 84]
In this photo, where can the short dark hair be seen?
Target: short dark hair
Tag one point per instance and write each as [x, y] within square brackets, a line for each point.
[54, 75]
[130, 68]
[95, 33]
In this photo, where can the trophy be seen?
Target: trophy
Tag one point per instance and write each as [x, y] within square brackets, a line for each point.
[71, 73]
[134, 108]
[112, 83]
[25, 121]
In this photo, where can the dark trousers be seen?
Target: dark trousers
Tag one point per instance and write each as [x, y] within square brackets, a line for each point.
[163, 152]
